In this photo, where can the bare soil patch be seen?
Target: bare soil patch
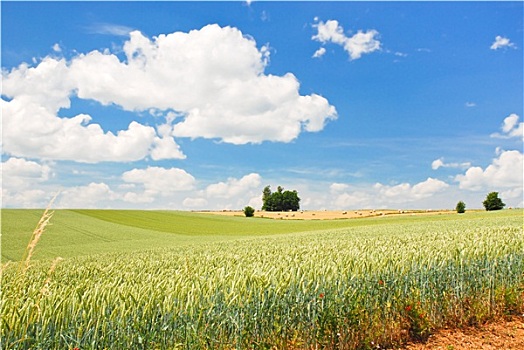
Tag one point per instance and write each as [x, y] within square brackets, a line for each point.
[502, 334]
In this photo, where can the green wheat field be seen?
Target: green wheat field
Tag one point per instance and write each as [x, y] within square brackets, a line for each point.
[109, 279]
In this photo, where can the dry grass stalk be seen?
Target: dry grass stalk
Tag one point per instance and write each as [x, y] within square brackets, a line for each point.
[37, 233]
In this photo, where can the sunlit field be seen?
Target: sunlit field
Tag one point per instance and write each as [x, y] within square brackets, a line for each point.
[170, 280]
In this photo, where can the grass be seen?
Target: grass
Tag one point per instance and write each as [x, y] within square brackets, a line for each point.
[354, 284]
[85, 232]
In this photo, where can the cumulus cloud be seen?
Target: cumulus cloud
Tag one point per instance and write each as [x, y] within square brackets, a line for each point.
[32, 127]
[233, 187]
[157, 181]
[511, 128]
[21, 181]
[356, 45]
[19, 173]
[29, 198]
[380, 195]
[406, 193]
[439, 163]
[505, 172]
[502, 42]
[201, 75]
[230, 194]
[92, 195]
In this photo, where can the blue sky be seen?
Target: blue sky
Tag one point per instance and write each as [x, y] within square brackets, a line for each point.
[200, 105]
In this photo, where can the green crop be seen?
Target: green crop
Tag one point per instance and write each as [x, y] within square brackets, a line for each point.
[352, 287]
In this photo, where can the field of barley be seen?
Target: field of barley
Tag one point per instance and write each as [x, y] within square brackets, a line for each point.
[171, 280]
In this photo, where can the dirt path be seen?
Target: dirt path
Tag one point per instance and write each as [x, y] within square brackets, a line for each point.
[503, 335]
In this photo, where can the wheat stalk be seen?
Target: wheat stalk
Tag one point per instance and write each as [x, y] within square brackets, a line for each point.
[37, 233]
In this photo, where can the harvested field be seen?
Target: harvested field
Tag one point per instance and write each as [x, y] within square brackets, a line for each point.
[331, 214]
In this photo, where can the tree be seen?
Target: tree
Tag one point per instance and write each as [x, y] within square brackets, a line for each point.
[290, 201]
[280, 200]
[493, 202]
[266, 195]
[461, 207]
[249, 211]
[268, 200]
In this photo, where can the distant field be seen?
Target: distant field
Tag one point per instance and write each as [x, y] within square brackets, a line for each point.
[175, 280]
[334, 214]
[85, 232]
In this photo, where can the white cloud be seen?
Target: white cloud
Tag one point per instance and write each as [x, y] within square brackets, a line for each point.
[166, 148]
[427, 188]
[19, 174]
[505, 172]
[29, 198]
[511, 128]
[139, 198]
[439, 163]
[201, 75]
[57, 48]
[501, 42]
[93, 195]
[319, 53]
[406, 193]
[154, 184]
[338, 187]
[23, 183]
[471, 104]
[344, 196]
[234, 187]
[160, 181]
[356, 45]
[357, 199]
[109, 29]
[198, 203]
[231, 194]
[32, 127]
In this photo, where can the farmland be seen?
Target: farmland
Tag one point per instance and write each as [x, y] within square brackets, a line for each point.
[169, 280]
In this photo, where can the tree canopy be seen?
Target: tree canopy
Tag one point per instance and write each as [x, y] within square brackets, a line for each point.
[280, 200]
[493, 202]
[461, 207]
[249, 211]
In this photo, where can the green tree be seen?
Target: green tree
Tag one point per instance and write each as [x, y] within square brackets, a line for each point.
[461, 207]
[280, 200]
[290, 201]
[268, 200]
[276, 199]
[249, 211]
[493, 202]
[266, 197]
